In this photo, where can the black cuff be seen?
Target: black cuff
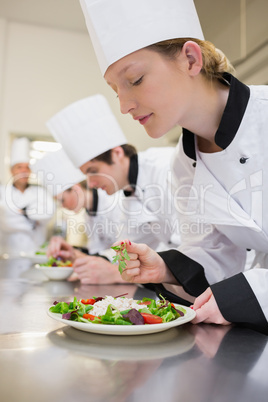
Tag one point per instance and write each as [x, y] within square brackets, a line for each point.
[83, 249]
[162, 291]
[189, 273]
[102, 256]
[238, 303]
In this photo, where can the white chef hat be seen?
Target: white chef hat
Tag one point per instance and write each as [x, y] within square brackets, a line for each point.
[56, 172]
[86, 129]
[120, 27]
[20, 151]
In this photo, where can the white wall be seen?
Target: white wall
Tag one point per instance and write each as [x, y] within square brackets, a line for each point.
[2, 64]
[41, 71]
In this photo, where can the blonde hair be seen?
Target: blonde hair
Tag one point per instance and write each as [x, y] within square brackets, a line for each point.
[215, 63]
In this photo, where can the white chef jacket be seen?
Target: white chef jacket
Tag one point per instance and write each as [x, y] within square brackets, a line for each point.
[152, 201]
[24, 232]
[103, 225]
[148, 215]
[222, 206]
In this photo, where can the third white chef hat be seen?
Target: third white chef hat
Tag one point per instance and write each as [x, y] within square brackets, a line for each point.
[120, 27]
[56, 172]
[86, 129]
[20, 151]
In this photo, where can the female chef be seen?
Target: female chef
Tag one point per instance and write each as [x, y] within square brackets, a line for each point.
[221, 170]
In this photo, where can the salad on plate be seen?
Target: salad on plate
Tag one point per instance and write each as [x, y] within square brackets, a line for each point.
[56, 262]
[118, 311]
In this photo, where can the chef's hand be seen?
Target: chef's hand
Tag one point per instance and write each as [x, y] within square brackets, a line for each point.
[207, 310]
[58, 247]
[96, 270]
[145, 265]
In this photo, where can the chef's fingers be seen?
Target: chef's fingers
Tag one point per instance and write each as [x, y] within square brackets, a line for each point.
[202, 299]
[130, 265]
[81, 261]
[131, 247]
[133, 256]
[52, 249]
[55, 245]
[73, 277]
[205, 315]
[65, 255]
[131, 271]
[209, 313]
[53, 252]
[131, 275]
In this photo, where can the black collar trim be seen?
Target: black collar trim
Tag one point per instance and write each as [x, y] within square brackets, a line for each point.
[231, 119]
[132, 174]
[27, 185]
[93, 211]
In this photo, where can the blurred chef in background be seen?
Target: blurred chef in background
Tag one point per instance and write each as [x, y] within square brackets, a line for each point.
[25, 210]
[67, 184]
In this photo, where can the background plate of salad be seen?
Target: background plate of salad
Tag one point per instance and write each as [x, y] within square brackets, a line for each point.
[149, 317]
[55, 269]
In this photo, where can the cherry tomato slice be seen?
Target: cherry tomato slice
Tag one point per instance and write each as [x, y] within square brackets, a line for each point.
[147, 303]
[90, 317]
[151, 319]
[88, 301]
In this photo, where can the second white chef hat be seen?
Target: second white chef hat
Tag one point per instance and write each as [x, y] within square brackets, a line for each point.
[56, 172]
[86, 129]
[20, 149]
[120, 27]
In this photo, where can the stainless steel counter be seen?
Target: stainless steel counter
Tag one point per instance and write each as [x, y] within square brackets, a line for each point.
[42, 360]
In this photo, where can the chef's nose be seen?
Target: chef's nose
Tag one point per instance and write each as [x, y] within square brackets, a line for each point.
[92, 182]
[126, 103]
[25, 169]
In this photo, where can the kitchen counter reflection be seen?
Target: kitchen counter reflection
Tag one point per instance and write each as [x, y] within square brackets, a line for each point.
[52, 362]
[142, 347]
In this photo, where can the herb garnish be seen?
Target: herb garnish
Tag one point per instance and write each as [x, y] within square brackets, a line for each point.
[121, 256]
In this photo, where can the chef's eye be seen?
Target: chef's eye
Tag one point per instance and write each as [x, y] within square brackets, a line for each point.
[138, 82]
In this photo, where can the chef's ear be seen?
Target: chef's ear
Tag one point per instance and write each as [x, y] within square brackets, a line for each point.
[191, 50]
[118, 153]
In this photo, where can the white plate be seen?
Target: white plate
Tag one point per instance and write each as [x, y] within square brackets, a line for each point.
[55, 273]
[126, 329]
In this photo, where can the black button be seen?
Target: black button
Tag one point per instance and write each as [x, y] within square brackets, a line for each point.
[194, 164]
[243, 160]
